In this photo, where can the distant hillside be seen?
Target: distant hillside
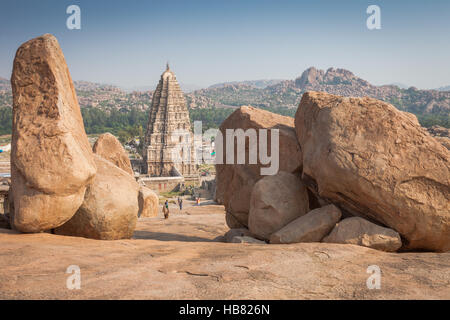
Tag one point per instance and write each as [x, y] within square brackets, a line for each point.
[260, 84]
[103, 96]
[287, 93]
[447, 88]
[400, 85]
[97, 101]
[185, 87]
[4, 84]
[5, 93]
[108, 97]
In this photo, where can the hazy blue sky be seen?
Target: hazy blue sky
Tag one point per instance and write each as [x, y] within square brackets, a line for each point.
[128, 42]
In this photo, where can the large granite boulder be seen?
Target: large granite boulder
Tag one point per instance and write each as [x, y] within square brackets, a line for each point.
[276, 201]
[108, 147]
[110, 207]
[148, 203]
[359, 231]
[312, 227]
[51, 159]
[375, 161]
[234, 182]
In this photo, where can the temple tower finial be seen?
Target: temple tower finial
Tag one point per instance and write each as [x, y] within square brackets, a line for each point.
[167, 66]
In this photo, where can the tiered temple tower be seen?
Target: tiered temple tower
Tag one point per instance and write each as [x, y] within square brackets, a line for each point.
[169, 133]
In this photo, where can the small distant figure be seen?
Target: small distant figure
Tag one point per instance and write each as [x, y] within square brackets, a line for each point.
[198, 201]
[180, 203]
[166, 209]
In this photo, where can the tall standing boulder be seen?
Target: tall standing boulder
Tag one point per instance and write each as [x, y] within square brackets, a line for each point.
[276, 201]
[51, 159]
[110, 207]
[375, 161]
[108, 147]
[234, 182]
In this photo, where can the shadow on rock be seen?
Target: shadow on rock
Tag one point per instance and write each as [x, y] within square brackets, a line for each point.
[163, 236]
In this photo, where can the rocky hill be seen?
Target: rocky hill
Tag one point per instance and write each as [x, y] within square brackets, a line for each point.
[345, 83]
[261, 84]
[288, 93]
[447, 88]
[103, 96]
[5, 93]
[280, 96]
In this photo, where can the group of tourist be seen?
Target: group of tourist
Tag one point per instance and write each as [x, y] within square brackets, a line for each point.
[180, 204]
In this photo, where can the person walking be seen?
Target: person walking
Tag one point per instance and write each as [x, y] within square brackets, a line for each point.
[166, 209]
[180, 203]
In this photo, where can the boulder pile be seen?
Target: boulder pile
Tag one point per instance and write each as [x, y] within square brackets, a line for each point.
[57, 181]
[235, 182]
[356, 159]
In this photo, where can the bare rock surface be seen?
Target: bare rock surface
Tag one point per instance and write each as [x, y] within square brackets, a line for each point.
[108, 147]
[241, 232]
[377, 162]
[178, 259]
[276, 201]
[235, 181]
[312, 227]
[246, 239]
[148, 203]
[445, 141]
[233, 222]
[361, 232]
[51, 159]
[110, 207]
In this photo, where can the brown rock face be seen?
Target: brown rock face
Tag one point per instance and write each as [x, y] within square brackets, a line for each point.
[108, 147]
[312, 227]
[148, 203]
[276, 201]
[110, 207]
[233, 223]
[51, 159]
[373, 160]
[361, 232]
[445, 141]
[235, 181]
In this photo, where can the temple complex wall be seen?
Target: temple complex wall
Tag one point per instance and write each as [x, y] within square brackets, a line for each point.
[168, 184]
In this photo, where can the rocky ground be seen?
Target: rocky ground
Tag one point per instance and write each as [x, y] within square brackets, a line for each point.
[182, 258]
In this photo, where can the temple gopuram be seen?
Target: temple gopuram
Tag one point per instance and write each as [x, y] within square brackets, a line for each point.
[169, 142]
